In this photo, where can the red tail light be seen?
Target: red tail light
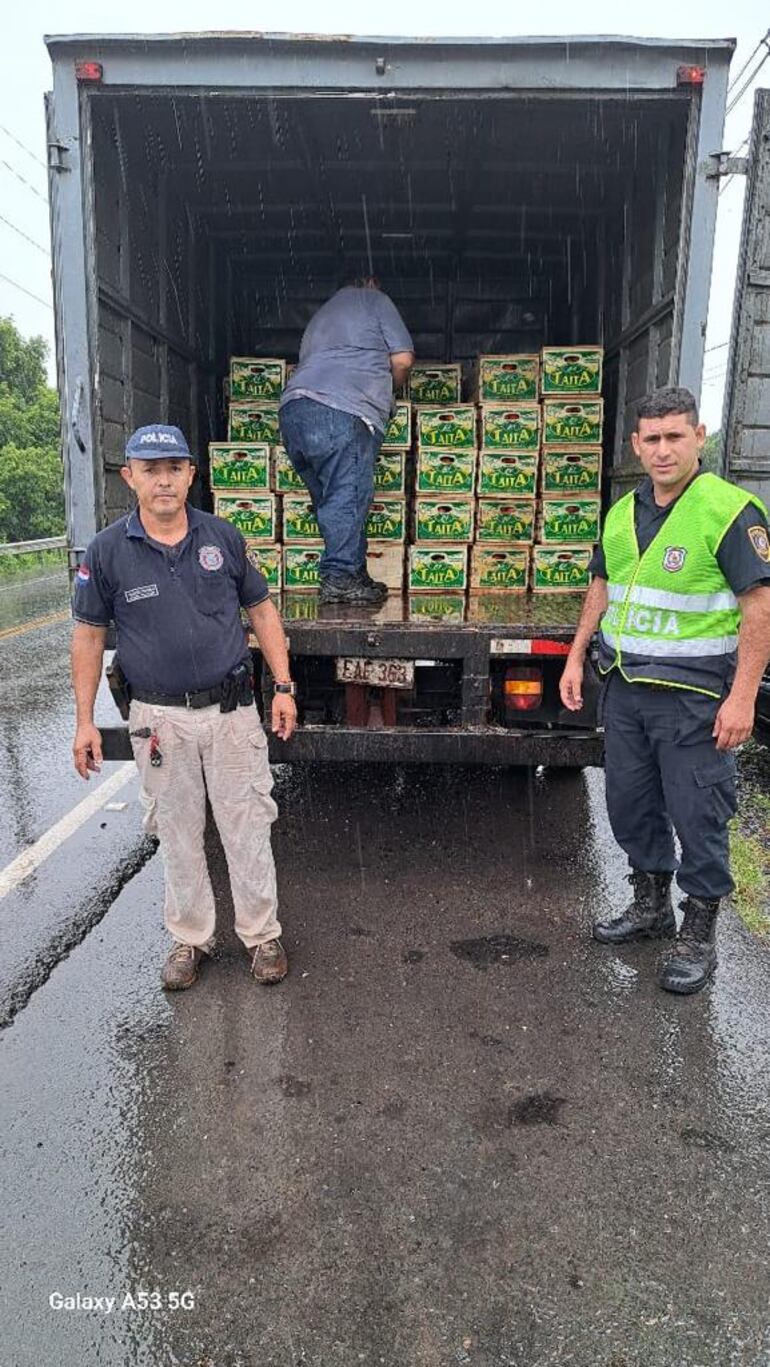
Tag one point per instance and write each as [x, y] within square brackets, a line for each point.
[523, 688]
[89, 71]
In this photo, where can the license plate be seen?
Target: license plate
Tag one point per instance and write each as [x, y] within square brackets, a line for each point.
[376, 673]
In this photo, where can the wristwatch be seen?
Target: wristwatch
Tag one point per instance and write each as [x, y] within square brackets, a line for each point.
[285, 687]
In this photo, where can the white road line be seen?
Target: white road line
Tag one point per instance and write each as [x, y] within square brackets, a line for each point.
[26, 863]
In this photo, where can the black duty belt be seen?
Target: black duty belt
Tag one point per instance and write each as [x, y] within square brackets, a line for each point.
[207, 697]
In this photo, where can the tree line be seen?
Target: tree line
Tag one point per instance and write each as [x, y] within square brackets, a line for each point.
[31, 477]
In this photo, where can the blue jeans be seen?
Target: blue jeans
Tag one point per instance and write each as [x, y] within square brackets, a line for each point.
[334, 453]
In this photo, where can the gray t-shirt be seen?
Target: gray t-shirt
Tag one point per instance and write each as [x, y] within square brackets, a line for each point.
[344, 359]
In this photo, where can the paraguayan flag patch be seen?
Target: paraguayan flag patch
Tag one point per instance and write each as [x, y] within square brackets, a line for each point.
[145, 591]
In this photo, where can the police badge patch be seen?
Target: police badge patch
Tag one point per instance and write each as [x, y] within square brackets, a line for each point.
[761, 543]
[211, 558]
[674, 558]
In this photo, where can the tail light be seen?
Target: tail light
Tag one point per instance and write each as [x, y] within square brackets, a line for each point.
[522, 688]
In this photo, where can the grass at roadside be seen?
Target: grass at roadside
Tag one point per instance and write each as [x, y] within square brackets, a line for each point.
[17, 566]
[750, 842]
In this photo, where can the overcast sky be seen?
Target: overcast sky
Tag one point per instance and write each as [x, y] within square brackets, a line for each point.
[25, 76]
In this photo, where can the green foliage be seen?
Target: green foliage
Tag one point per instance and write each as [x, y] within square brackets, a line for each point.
[21, 566]
[31, 497]
[31, 485]
[22, 362]
[710, 454]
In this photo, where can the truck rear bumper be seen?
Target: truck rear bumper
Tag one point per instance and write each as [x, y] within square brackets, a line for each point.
[408, 745]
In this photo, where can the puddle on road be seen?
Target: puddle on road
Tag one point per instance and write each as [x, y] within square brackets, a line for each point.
[705, 1139]
[541, 1108]
[497, 949]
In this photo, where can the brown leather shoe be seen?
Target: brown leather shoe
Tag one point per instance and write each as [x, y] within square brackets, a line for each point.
[181, 967]
[269, 963]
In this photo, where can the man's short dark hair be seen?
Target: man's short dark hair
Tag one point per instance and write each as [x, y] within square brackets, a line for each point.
[358, 280]
[662, 402]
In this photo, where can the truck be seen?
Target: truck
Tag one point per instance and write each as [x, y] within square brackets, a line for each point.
[206, 191]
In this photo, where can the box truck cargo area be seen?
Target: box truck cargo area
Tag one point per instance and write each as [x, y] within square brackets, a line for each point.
[210, 191]
[496, 224]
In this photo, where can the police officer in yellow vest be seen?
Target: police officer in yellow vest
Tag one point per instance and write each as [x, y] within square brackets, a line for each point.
[681, 597]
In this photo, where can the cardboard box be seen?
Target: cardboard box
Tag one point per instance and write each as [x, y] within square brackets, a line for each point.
[299, 520]
[436, 607]
[252, 512]
[493, 606]
[500, 568]
[256, 377]
[438, 568]
[443, 520]
[385, 562]
[574, 521]
[266, 559]
[285, 477]
[571, 370]
[451, 472]
[571, 471]
[301, 567]
[502, 378]
[560, 569]
[390, 473]
[398, 433]
[387, 520]
[510, 427]
[572, 423]
[252, 420]
[512, 474]
[301, 606]
[446, 428]
[506, 522]
[234, 466]
[435, 382]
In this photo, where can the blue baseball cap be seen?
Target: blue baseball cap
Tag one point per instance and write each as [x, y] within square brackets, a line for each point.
[157, 442]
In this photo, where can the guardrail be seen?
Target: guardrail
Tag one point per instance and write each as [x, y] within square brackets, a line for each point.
[48, 543]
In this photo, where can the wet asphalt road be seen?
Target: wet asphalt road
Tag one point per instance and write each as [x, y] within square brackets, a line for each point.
[459, 1133]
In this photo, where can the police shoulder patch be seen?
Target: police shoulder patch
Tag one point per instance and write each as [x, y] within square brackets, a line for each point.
[674, 558]
[761, 542]
[211, 558]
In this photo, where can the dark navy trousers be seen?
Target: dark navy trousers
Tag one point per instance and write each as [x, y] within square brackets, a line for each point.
[665, 774]
[335, 454]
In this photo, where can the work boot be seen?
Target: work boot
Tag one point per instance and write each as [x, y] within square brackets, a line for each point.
[694, 957]
[350, 588]
[181, 967]
[366, 578]
[269, 963]
[649, 916]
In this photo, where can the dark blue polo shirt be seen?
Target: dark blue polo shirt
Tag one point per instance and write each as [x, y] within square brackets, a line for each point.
[176, 609]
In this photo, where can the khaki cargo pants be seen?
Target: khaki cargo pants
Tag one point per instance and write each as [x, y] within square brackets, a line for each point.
[229, 751]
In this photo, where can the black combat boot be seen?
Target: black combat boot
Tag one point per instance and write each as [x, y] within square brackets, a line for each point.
[649, 916]
[350, 588]
[694, 957]
[377, 584]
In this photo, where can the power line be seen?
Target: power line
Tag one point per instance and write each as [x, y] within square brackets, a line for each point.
[26, 236]
[749, 80]
[736, 153]
[28, 151]
[17, 286]
[718, 347]
[20, 177]
[747, 63]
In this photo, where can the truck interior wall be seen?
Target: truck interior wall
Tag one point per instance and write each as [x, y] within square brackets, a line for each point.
[496, 224]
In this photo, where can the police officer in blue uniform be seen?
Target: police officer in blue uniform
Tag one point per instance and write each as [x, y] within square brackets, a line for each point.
[681, 595]
[173, 580]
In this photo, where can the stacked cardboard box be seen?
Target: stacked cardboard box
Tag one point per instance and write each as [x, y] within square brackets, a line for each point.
[499, 494]
[569, 510]
[443, 513]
